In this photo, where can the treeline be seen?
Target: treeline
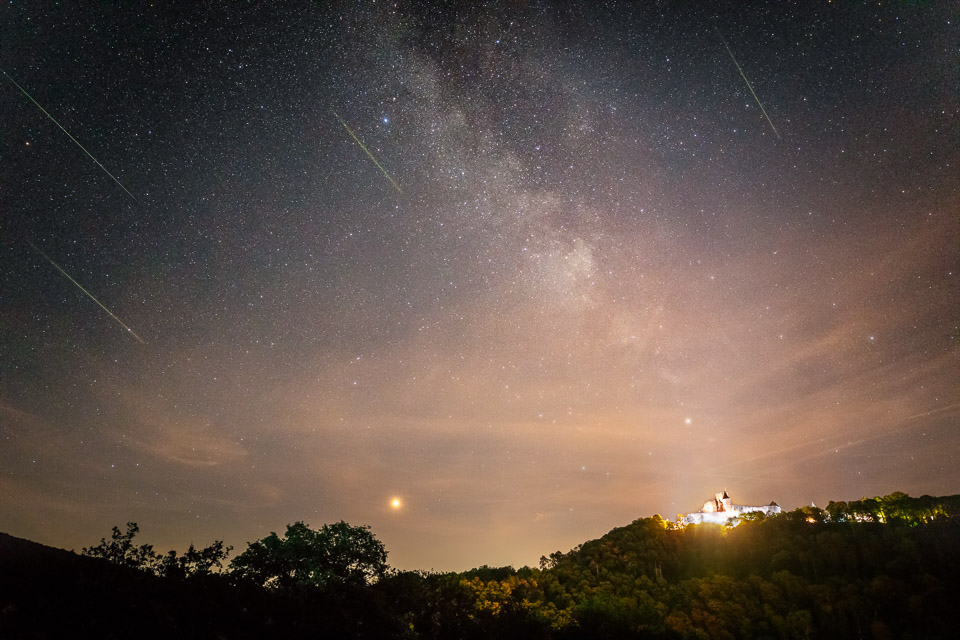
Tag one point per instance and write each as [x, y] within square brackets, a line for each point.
[120, 550]
[885, 567]
[881, 567]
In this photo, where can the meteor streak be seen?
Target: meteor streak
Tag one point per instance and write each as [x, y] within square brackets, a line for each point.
[89, 295]
[743, 75]
[68, 134]
[367, 151]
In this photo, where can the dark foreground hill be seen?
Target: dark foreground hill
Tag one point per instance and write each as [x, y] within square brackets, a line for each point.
[52, 593]
[877, 568]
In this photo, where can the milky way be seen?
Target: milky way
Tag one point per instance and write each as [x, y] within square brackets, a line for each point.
[607, 288]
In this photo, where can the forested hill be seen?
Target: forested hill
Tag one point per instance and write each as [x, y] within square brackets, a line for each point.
[886, 567]
[879, 567]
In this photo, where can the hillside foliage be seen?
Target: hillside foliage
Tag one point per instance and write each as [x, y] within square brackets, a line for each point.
[884, 567]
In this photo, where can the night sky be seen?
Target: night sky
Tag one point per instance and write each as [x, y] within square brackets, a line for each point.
[535, 271]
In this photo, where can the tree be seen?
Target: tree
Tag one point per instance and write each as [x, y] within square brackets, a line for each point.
[120, 550]
[335, 555]
[195, 562]
[838, 511]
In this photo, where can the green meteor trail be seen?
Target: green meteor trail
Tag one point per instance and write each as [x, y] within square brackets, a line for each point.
[67, 132]
[367, 151]
[743, 75]
[89, 295]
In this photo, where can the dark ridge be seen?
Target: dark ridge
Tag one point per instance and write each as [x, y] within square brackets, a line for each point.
[884, 567]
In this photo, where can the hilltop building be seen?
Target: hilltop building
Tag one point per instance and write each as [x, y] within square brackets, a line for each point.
[721, 509]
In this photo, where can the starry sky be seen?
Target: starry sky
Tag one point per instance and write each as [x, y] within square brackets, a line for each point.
[532, 270]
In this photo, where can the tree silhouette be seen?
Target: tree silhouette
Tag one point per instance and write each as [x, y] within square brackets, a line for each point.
[195, 562]
[120, 550]
[336, 554]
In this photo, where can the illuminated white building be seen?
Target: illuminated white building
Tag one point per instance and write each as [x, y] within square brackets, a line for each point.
[721, 509]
